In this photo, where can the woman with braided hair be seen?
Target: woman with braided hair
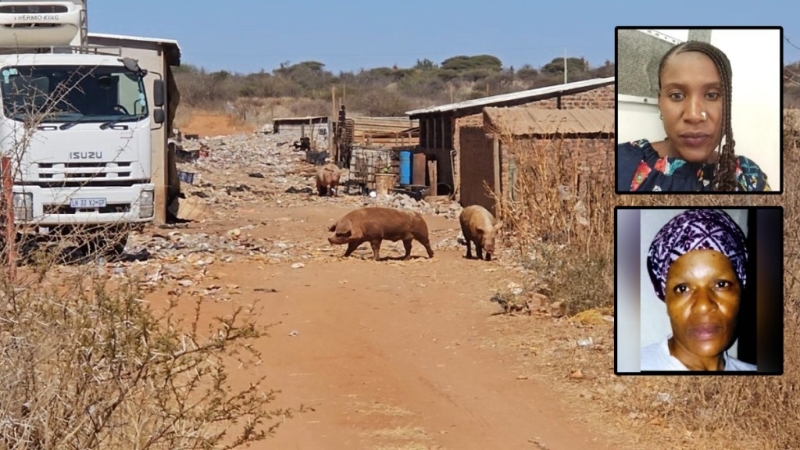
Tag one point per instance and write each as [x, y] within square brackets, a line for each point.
[694, 98]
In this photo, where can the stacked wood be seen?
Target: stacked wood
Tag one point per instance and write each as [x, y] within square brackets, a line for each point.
[385, 131]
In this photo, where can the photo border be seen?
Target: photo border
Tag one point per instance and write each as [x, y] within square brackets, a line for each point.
[780, 188]
[770, 338]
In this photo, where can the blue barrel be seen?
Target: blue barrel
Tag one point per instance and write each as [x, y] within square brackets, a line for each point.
[405, 167]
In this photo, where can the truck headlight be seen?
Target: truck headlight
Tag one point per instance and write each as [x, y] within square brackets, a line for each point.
[23, 206]
[146, 208]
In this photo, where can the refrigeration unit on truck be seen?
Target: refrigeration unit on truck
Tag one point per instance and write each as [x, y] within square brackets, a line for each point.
[76, 124]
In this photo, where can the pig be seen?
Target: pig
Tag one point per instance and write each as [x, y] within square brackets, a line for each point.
[328, 179]
[479, 226]
[375, 224]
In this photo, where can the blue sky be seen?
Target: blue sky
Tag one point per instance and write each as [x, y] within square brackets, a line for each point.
[249, 35]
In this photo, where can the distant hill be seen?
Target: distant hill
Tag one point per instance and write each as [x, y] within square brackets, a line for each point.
[305, 87]
[380, 91]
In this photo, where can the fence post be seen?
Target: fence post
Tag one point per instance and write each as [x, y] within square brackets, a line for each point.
[10, 229]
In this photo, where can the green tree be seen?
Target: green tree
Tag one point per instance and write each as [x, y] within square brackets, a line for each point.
[527, 73]
[574, 65]
[425, 64]
[465, 63]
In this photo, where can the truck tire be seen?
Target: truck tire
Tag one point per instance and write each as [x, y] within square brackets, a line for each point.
[112, 244]
[108, 243]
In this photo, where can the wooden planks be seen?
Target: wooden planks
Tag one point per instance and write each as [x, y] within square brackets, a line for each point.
[418, 170]
[395, 141]
[383, 131]
[432, 175]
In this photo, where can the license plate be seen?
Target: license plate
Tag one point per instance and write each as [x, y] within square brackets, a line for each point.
[87, 203]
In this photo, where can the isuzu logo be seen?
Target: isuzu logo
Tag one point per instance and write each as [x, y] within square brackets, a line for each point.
[86, 155]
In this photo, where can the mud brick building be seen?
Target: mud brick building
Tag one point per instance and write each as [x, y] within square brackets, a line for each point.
[440, 135]
[488, 155]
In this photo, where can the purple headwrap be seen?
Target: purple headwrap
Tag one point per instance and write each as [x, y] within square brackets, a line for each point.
[696, 229]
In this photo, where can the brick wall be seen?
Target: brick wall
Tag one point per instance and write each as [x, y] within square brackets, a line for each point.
[600, 98]
[475, 120]
[477, 167]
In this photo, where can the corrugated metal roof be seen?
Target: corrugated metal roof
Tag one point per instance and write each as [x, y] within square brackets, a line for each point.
[532, 94]
[523, 121]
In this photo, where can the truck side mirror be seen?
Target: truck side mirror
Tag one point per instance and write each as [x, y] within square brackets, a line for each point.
[159, 93]
[159, 116]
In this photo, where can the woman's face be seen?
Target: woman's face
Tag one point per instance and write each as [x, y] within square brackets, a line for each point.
[690, 85]
[702, 298]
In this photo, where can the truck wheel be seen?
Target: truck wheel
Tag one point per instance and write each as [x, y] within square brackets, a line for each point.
[112, 244]
[109, 243]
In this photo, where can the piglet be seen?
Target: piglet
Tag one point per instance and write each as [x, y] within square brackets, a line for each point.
[328, 179]
[480, 227]
[375, 224]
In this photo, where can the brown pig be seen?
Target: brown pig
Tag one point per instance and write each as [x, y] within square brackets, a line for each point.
[328, 179]
[479, 226]
[375, 224]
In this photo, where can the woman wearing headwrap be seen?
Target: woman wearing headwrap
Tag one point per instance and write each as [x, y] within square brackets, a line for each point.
[697, 263]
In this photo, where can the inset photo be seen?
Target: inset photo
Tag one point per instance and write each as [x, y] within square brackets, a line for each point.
[699, 110]
[699, 291]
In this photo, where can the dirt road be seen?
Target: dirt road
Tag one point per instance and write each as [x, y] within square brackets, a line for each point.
[391, 354]
[404, 355]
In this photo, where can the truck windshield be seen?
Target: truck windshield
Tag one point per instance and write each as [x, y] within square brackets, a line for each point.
[72, 94]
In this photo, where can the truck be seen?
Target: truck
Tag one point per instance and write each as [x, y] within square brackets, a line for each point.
[75, 123]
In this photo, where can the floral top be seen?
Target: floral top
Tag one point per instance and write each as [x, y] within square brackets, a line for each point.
[640, 168]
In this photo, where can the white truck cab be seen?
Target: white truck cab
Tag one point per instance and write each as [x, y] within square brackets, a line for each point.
[76, 125]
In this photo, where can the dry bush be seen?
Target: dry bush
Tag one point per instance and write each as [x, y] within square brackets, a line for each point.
[101, 369]
[257, 112]
[207, 90]
[380, 91]
[183, 116]
[572, 258]
[263, 110]
[560, 219]
[88, 364]
[378, 102]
